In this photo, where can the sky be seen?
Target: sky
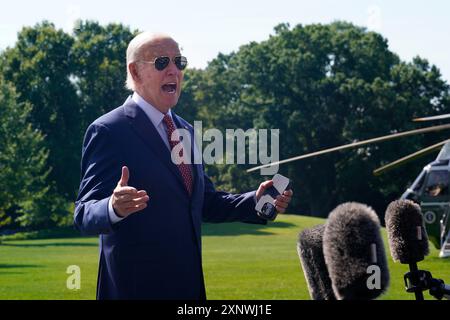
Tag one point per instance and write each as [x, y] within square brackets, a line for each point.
[204, 28]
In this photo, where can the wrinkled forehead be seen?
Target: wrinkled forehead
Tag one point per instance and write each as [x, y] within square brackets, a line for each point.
[160, 47]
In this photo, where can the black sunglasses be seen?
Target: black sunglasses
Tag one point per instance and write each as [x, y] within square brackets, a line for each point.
[162, 62]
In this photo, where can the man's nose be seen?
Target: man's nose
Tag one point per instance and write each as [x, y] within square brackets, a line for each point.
[172, 68]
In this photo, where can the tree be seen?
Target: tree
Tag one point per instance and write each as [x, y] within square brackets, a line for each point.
[323, 86]
[23, 169]
[68, 81]
[41, 67]
[187, 105]
[99, 55]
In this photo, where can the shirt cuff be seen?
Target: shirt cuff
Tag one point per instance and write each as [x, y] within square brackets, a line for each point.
[112, 215]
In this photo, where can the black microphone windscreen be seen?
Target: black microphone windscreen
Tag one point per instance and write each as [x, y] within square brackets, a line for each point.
[408, 239]
[354, 252]
[310, 252]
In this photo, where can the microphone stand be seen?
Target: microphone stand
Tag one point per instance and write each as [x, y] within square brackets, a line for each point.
[418, 281]
[413, 281]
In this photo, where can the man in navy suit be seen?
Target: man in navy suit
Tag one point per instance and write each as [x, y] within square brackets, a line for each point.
[146, 208]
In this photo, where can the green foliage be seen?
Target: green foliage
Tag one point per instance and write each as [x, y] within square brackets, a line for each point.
[40, 66]
[323, 86]
[67, 81]
[53, 233]
[23, 169]
[188, 103]
[99, 55]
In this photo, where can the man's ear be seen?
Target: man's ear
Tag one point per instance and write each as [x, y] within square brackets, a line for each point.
[132, 67]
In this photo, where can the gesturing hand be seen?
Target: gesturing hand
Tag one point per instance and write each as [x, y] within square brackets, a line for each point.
[127, 200]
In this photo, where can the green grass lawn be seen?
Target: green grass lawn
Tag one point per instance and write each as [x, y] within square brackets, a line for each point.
[241, 261]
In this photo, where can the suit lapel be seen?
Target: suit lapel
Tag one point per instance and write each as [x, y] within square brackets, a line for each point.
[142, 125]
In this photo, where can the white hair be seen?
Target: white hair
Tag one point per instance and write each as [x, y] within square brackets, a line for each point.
[135, 52]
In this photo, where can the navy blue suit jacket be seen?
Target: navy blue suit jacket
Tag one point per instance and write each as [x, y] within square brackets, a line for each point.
[154, 253]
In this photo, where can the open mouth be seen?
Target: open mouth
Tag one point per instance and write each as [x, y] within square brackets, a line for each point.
[170, 87]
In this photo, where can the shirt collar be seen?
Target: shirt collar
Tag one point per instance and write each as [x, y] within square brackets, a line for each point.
[152, 113]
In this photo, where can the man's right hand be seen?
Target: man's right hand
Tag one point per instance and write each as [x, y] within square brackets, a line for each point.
[127, 200]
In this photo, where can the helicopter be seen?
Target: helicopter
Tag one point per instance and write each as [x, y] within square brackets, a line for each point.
[431, 191]
[431, 188]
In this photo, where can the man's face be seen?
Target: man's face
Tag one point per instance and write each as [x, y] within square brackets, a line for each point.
[160, 88]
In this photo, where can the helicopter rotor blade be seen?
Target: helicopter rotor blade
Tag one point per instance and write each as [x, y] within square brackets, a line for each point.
[408, 158]
[355, 144]
[439, 117]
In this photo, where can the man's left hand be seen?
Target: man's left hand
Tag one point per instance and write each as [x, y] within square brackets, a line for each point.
[281, 202]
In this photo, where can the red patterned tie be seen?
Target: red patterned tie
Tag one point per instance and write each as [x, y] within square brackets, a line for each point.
[185, 169]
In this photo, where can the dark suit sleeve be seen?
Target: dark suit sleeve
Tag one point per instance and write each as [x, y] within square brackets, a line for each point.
[226, 207]
[100, 172]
